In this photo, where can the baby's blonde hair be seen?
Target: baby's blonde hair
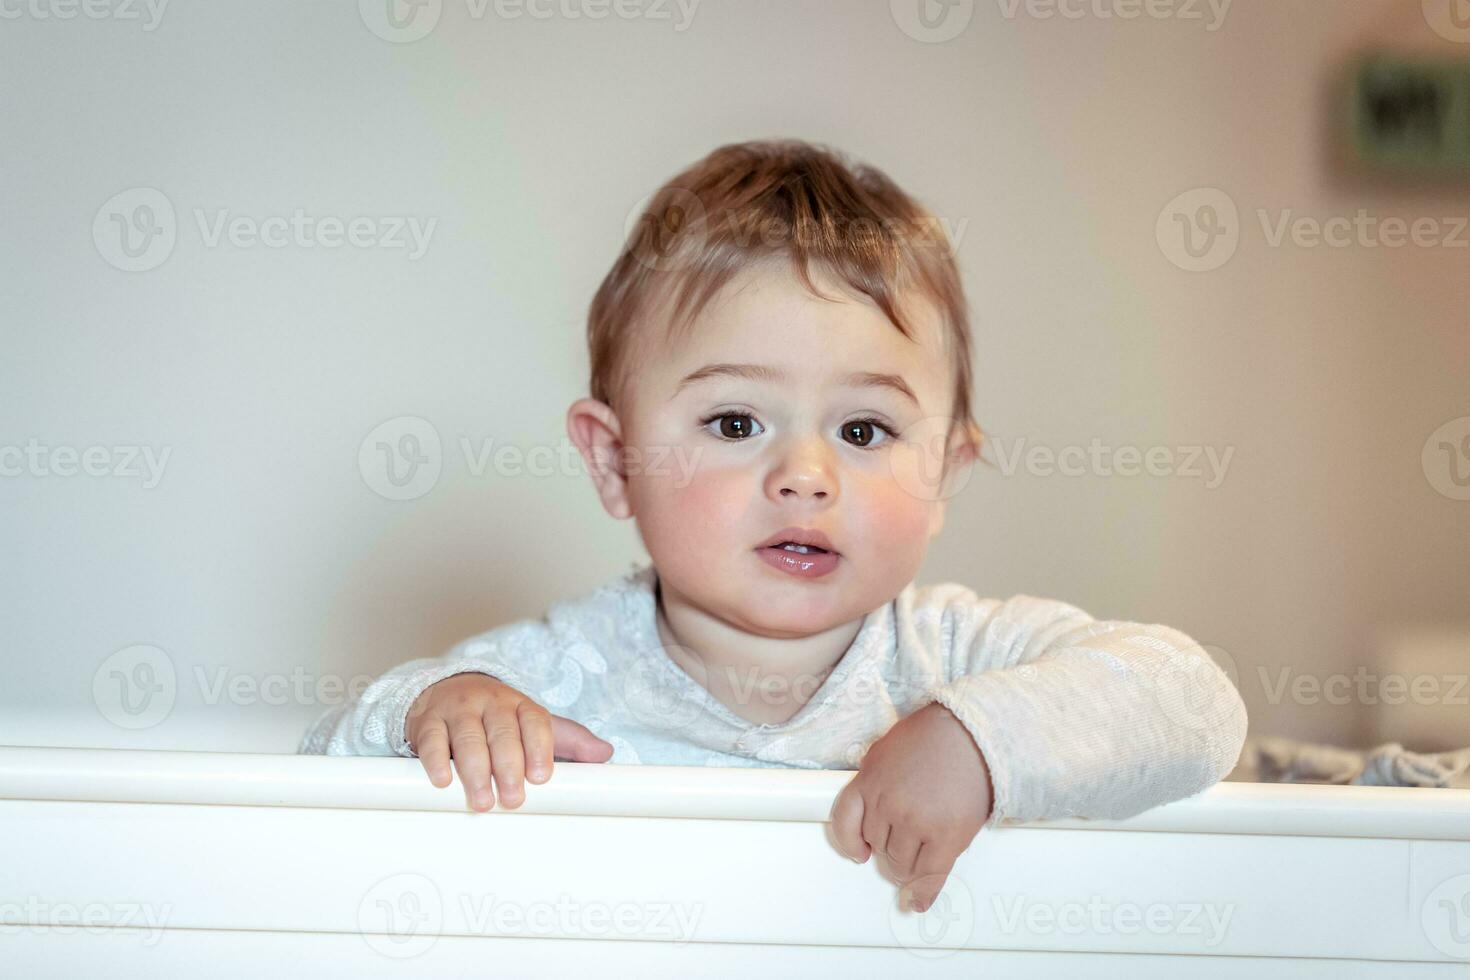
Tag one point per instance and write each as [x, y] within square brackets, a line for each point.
[751, 202]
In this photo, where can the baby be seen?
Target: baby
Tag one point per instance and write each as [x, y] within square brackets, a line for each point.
[780, 399]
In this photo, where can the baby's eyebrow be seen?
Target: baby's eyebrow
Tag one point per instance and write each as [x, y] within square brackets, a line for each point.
[762, 372]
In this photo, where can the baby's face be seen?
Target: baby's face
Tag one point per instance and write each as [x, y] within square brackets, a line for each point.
[805, 446]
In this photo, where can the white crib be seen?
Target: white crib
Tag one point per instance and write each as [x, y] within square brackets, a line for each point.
[138, 863]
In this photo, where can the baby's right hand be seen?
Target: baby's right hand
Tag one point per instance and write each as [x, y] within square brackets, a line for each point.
[480, 721]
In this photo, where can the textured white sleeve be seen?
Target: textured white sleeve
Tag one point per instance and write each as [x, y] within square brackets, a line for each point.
[373, 723]
[1083, 718]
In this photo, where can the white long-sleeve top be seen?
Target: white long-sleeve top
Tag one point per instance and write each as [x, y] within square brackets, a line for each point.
[1075, 717]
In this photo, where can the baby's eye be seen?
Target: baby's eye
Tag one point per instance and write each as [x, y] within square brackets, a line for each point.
[863, 432]
[733, 426]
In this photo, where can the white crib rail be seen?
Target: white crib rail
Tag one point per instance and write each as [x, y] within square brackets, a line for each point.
[159, 863]
[803, 795]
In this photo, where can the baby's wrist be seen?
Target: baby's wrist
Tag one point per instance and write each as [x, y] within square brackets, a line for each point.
[985, 783]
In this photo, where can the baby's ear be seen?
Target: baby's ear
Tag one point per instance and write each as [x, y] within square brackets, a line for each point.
[961, 452]
[978, 439]
[596, 431]
[966, 445]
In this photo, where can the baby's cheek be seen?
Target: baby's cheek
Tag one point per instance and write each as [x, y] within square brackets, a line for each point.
[897, 521]
[703, 505]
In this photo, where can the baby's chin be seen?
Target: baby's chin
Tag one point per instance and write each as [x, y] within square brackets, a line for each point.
[793, 610]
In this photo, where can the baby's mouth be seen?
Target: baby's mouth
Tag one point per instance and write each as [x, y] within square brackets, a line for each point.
[799, 549]
[798, 540]
[798, 558]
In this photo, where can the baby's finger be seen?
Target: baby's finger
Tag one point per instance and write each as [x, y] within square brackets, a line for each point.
[507, 756]
[875, 830]
[432, 749]
[472, 760]
[537, 739]
[903, 848]
[932, 866]
[576, 743]
[847, 822]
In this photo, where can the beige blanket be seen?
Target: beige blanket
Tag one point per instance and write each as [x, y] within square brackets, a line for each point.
[1272, 759]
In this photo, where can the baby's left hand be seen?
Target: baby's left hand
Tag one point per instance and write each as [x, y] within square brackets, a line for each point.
[921, 795]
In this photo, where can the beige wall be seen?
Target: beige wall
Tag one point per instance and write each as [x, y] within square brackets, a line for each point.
[1053, 143]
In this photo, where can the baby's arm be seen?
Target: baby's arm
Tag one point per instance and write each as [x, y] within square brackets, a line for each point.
[1082, 718]
[468, 705]
[1042, 712]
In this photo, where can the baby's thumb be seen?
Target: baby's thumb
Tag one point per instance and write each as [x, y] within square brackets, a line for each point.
[576, 743]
